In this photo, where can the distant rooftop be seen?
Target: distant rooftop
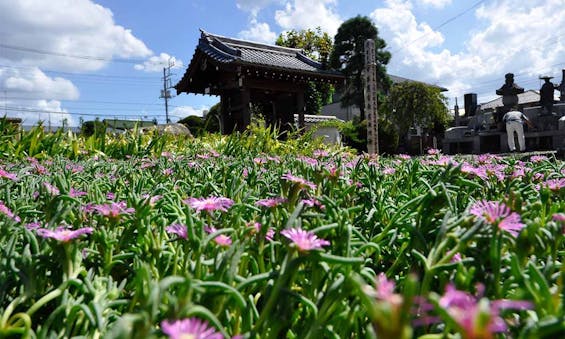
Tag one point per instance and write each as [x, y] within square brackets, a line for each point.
[398, 80]
[528, 97]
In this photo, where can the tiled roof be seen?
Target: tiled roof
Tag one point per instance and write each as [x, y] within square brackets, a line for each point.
[397, 80]
[229, 50]
[527, 97]
[312, 119]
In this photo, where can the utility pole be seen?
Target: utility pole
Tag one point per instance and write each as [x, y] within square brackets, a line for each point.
[165, 92]
[371, 98]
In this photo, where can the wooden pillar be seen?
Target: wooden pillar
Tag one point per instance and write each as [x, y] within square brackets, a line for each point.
[245, 111]
[224, 114]
[300, 110]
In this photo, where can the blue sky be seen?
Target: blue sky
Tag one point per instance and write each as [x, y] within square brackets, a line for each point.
[67, 59]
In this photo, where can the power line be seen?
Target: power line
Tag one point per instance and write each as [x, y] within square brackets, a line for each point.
[91, 101]
[128, 77]
[32, 110]
[441, 25]
[83, 57]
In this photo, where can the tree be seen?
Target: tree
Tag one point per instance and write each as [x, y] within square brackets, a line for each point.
[412, 104]
[212, 120]
[194, 124]
[349, 56]
[88, 128]
[317, 45]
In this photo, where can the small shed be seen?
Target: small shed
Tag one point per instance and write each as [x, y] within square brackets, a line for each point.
[243, 73]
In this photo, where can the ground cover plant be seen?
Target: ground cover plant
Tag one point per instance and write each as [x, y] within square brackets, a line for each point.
[147, 236]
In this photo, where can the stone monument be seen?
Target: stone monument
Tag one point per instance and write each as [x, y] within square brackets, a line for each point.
[509, 92]
[546, 99]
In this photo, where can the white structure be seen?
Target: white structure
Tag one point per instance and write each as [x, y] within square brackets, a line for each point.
[330, 134]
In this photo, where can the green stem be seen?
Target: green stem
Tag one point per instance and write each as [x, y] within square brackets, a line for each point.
[287, 269]
[45, 299]
[9, 310]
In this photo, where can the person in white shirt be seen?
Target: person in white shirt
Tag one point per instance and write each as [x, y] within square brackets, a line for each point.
[514, 120]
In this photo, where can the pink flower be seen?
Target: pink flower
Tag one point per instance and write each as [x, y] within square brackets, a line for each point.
[259, 161]
[320, 153]
[554, 184]
[221, 239]
[302, 183]
[518, 172]
[434, 151]
[51, 189]
[4, 174]
[63, 234]
[178, 229]
[304, 240]
[189, 328]
[6, 211]
[538, 177]
[74, 168]
[33, 226]
[209, 204]
[152, 200]
[559, 217]
[309, 161]
[147, 164]
[389, 171]
[456, 258]
[476, 320]
[40, 169]
[270, 202]
[113, 210]
[538, 158]
[168, 172]
[87, 208]
[385, 287]
[498, 214]
[110, 196]
[404, 157]
[76, 194]
[313, 202]
[270, 232]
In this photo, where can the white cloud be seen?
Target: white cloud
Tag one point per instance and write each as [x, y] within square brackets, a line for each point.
[436, 3]
[157, 62]
[254, 6]
[71, 27]
[508, 37]
[398, 21]
[33, 82]
[43, 34]
[304, 14]
[258, 31]
[184, 111]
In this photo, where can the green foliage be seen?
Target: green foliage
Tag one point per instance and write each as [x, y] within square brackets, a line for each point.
[355, 135]
[194, 123]
[317, 45]
[406, 219]
[91, 127]
[213, 117]
[412, 104]
[349, 50]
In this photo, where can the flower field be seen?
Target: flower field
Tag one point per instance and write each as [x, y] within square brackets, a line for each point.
[147, 236]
